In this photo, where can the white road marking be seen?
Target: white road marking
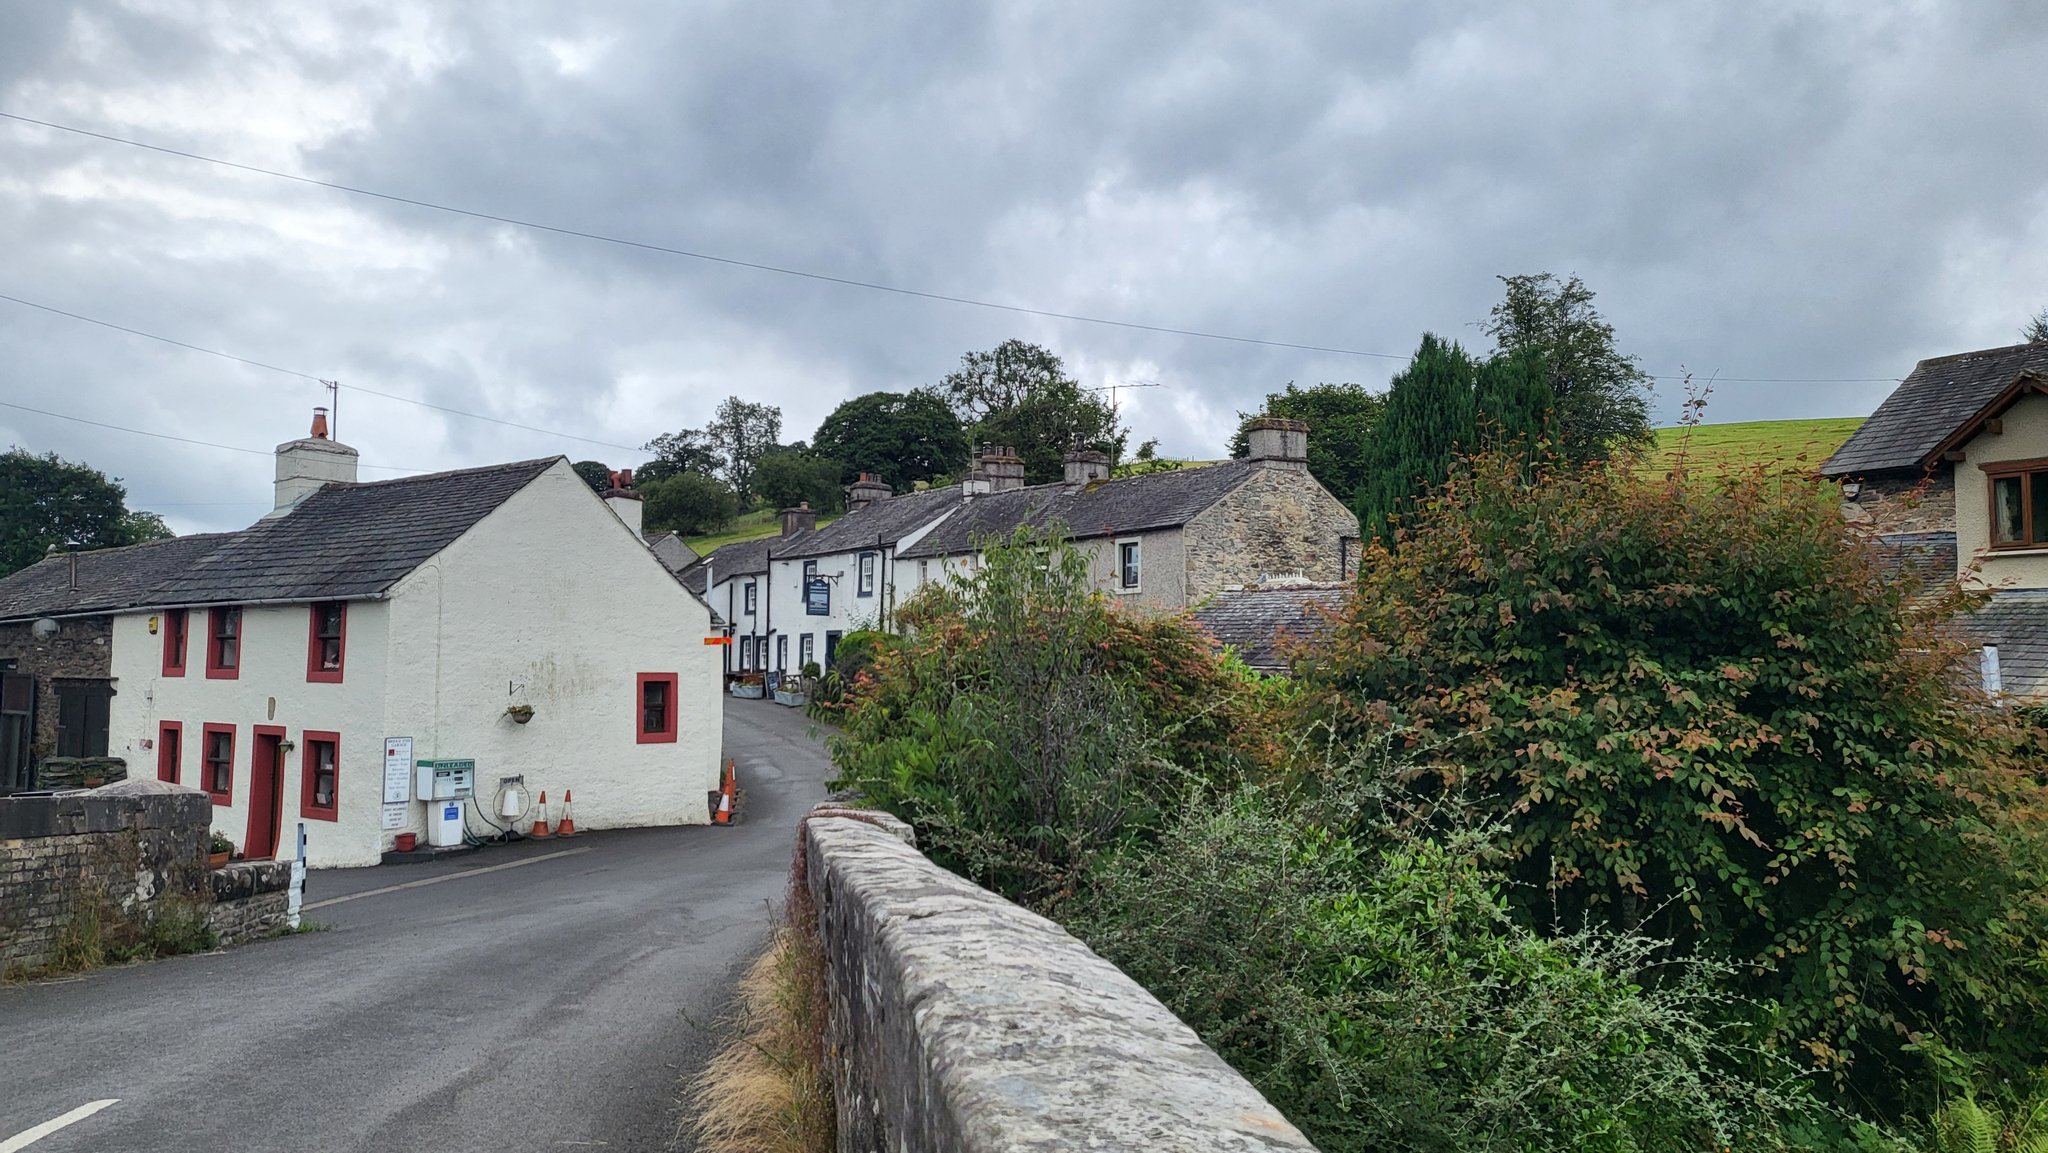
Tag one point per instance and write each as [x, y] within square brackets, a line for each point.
[433, 881]
[28, 1137]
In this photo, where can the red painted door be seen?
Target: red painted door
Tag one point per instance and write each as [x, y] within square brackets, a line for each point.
[266, 793]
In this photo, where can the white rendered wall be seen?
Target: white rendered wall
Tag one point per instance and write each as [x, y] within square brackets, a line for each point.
[850, 611]
[551, 602]
[2025, 437]
[270, 690]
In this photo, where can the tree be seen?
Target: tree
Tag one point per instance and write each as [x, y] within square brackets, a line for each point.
[739, 432]
[687, 504]
[45, 501]
[902, 437]
[685, 450]
[1701, 707]
[793, 475]
[595, 473]
[2036, 330]
[1429, 418]
[1600, 395]
[1020, 395]
[1341, 420]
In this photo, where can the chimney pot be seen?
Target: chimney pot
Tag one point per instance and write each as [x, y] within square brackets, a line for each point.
[319, 424]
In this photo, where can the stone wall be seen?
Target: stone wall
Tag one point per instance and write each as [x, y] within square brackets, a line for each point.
[1280, 522]
[78, 651]
[960, 1022]
[1905, 503]
[109, 858]
[250, 900]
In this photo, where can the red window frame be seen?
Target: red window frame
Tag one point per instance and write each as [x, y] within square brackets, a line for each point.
[311, 739]
[316, 672]
[215, 670]
[641, 733]
[170, 750]
[206, 762]
[177, 641]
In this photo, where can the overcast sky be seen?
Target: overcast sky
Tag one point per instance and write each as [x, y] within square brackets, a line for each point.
[1813, 191]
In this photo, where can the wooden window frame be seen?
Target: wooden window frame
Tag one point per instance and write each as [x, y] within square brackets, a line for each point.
[177, 641]
[667, 734]
[751, 599]
[170, 751]
[1132, 580]
[309, 740]
[222, 797]
[866, 567]
[215, 670]
[2023, 471]
[316, 670]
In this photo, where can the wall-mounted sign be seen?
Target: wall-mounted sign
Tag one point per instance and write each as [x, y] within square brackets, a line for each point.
[818, 597]
[394, 816]
[397, 771]
[718, 640]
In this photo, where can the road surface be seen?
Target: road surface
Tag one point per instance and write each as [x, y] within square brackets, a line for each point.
[552, 995]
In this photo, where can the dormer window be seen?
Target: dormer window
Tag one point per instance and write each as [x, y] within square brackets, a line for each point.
[224, 643]
[2019, 504]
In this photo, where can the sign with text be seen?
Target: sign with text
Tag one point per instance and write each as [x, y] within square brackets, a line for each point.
[394, 816]
[818, 597]
[397, 771]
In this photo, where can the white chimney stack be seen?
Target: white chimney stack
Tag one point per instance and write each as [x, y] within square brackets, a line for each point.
[624, 501]
[303, 466]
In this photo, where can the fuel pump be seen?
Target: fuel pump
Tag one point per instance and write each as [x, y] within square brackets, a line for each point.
[444, 785]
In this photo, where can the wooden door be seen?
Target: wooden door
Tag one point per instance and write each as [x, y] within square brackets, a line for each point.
[266, 793]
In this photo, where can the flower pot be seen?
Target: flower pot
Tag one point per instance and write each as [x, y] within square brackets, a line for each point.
[751, 692]
[406, 842]
[216, 860]
[793, 700]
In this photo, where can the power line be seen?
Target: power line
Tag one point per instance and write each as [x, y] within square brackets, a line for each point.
[826, 278]
[179, 439]
[310, 376]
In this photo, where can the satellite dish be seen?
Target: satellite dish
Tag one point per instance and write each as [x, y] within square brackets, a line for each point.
[44, 628]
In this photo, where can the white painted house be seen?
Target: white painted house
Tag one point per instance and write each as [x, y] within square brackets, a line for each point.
[272, 667]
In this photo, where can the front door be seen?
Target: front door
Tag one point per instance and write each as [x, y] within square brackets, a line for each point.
[17, 725]
[831, 649]
[266, 793]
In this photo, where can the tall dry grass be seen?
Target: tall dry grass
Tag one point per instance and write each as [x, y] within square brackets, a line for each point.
[767, 1090]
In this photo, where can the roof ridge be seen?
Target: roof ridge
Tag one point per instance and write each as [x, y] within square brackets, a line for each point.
[392, 482]
[1953, 356]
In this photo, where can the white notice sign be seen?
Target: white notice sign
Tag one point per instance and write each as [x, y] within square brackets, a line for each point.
[394, 816]
[397, 772]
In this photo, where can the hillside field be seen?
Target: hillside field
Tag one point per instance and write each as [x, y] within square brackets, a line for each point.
[1787, 445]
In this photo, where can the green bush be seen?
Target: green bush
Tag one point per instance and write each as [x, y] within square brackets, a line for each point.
[1701, 709]
[1376, 988]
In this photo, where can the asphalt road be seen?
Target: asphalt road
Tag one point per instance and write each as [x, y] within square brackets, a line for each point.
[561, 1002]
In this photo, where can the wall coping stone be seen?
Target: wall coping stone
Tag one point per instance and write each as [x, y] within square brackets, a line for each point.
[964, 1022]
[237, 880]
[25, 816]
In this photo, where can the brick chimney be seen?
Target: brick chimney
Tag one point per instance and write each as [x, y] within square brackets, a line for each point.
[304, 465]
[869, 489]
[624, 501]
[1278, 443]
[1085, 466]
[802, 518]
[1002, 467]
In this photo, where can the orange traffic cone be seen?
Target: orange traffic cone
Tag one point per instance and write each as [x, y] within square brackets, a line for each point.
[566, 827]
[540, 819]
[723, 815]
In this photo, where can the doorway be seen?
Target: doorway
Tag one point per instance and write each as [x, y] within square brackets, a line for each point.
[266, 793]
[17, 725]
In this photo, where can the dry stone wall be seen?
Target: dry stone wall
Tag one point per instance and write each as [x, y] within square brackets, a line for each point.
[960, 1022]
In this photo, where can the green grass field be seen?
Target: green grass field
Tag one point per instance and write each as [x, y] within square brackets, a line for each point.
[747, 526]
[1781, 445]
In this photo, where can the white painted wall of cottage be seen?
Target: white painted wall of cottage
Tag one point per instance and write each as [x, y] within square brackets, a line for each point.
[2025, 437]
[549, 601]
[271, 690]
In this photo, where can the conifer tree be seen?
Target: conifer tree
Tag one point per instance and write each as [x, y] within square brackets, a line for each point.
[1430, 418]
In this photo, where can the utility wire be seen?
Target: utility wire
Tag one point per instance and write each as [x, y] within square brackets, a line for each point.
[827, 278]
[179, 439]
[310, 376]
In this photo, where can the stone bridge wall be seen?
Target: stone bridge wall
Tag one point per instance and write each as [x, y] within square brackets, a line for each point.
[962, 1023]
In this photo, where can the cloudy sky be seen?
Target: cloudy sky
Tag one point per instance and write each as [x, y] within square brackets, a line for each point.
[1806, 192]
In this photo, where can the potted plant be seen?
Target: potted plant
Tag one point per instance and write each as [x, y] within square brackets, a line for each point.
[520, 714]
[218, 850]
[790, 691]
[748, 686]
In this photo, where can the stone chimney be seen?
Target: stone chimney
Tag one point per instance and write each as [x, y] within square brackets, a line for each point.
[624, 501]
[303, 466]
[1002, 467]
[869, 489]
[1085, 466]
[802, 518]
[1278, 443]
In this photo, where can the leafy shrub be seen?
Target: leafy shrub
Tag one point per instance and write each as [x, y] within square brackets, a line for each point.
[1702, 709]
[1026, 726]
[1378, 991]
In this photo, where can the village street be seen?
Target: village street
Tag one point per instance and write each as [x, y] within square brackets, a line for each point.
[554, 1003]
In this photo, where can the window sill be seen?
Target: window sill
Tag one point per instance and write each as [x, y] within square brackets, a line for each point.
[320, 814]
[1127, 592]
[234, 674]
[222, 799]
[668, 738]
[318, 677]
[2017, 550]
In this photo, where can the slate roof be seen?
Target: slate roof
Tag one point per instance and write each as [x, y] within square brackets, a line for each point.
[1133, 504]
[1261, 624]
[1934, 400]
[1929, 558]
[739, 558]
[344, 541]
[2017, 622]
[882, 523]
